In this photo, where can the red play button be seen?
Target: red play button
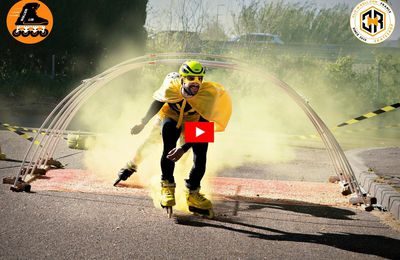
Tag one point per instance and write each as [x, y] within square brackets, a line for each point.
[199, 132]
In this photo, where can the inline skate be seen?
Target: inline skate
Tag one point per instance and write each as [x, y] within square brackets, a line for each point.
[198, 204]
[167, 196]
[126, 172]
[28, 23]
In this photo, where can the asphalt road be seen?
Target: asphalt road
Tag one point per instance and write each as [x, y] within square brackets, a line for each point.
[97, 225]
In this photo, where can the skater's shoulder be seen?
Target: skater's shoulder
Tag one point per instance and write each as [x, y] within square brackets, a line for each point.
[171, 77]
[171, 80]
[169, 90]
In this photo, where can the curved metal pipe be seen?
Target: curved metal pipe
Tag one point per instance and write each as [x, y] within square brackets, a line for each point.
[63, 118]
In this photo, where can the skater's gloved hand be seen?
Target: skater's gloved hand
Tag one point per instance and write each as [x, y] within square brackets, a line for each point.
[175, 154]
[137, 129]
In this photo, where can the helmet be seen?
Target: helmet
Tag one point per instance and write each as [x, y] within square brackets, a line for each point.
[191, 68]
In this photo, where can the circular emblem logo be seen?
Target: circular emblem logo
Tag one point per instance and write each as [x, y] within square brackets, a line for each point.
[29, 21]
[372, 21]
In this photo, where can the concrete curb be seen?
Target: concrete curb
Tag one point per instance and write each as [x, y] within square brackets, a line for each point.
[386, 195]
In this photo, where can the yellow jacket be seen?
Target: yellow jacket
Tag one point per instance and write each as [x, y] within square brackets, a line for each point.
[212, 102]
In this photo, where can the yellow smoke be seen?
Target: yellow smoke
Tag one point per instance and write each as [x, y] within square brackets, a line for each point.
[250, 137]
[263, 116]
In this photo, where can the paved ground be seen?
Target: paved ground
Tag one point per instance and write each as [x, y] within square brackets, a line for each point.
[122, 223]
[385, 163]
[85, 225]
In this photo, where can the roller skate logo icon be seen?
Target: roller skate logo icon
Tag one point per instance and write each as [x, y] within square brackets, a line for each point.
[29, 21]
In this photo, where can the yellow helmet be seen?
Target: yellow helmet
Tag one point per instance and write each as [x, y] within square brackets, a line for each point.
[191, 68]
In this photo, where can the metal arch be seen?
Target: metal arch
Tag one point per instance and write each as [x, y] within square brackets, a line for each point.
[57, 121]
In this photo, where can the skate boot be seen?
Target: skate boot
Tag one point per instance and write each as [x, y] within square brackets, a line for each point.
[29, 23]
[198, 204]
[167, 196]
[126, 172]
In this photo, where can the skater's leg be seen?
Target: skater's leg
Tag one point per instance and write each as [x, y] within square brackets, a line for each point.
[170, 135]
[153, 138]
[196, 201]
[199, 165]
[167, 194]
[132, 165]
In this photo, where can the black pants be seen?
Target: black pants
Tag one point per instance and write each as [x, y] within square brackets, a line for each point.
[170, 135]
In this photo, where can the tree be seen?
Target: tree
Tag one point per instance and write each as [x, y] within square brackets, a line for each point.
[181, 15]
[213, 31]
[246, 21]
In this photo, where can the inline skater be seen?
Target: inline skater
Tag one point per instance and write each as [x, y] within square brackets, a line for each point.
[179, 100]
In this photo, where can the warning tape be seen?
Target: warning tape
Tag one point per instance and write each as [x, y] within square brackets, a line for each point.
[370, 114]
[347, 131]
[28, 130]
[75, 139]
[43, 132]
[18, 130]
[20, 133]
[356, 120]
[22, 129]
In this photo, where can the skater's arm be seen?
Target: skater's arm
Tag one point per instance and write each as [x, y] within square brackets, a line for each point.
[154, 108]
[176, 153]
[186, 147]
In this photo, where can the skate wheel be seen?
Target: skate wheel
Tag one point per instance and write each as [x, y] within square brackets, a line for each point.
[25, 34]
[44, 33]
[34, 34]
[16, 33]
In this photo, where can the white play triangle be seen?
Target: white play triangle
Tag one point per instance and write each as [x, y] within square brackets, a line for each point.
[199, 132]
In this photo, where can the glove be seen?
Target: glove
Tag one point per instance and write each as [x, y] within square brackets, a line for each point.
[175, 154]
[137, 129]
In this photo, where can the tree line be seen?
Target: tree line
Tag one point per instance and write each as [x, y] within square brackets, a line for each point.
[297, 22]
